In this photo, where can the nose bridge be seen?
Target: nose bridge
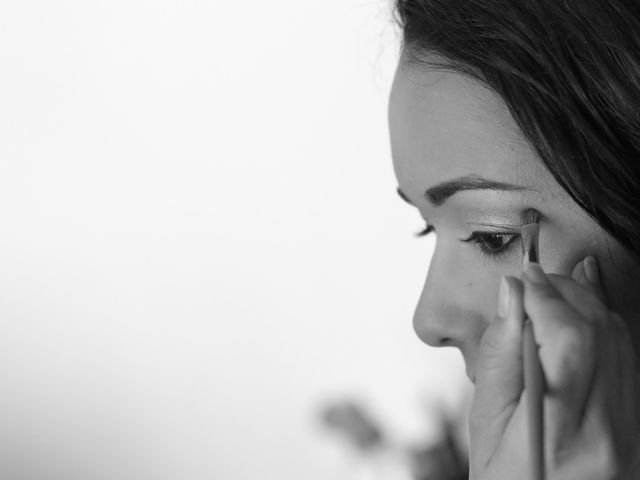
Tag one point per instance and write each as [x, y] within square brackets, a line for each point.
[438, 319]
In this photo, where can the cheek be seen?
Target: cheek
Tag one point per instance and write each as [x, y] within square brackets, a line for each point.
[466, 281]
[561, 250]
[567, 235]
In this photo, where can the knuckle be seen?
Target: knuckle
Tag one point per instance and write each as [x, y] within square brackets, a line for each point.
[547, 292]
[601, 461]
[586, 336]
[595, 311]
[607, 460]
[576, 338]
[572, 343]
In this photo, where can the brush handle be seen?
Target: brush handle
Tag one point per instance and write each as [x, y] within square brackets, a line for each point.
[534, 390]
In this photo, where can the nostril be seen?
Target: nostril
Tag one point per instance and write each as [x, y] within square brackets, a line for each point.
[435, 326]
[428, 334]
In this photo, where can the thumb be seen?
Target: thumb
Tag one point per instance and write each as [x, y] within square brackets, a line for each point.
[499, 381]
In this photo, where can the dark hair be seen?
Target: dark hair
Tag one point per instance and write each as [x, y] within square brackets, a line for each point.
[569, 71]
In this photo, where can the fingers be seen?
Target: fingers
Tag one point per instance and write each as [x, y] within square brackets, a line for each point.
[583, 290]
[627, 403]
[616, 377]
[613, 392]
[499, 364]
[567, 344]
[614, 395]
[587, 273]
[627, 354]
[588, 361]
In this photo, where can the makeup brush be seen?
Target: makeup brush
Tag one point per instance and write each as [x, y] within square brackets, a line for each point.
[533, 378]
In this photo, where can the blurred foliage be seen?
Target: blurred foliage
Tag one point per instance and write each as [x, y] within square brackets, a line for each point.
[443, 459]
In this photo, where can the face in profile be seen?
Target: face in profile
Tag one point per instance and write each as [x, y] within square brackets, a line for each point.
[462, 162]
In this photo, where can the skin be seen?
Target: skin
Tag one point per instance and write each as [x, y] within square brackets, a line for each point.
[443, 126]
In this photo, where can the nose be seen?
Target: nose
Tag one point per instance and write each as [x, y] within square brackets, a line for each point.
[446, 314]
[430, 318]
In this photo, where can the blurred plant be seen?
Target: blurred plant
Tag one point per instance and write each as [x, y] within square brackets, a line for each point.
[443, 459]
[351, 420]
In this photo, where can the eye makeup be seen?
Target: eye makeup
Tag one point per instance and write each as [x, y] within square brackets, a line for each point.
[496, 235]
[498, 226]
[490, 244]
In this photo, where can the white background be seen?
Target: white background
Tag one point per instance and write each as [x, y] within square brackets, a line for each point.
[200, 240]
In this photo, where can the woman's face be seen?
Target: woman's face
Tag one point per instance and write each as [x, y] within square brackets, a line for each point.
[445, 127]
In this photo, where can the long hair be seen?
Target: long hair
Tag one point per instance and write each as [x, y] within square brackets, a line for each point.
[569, 72]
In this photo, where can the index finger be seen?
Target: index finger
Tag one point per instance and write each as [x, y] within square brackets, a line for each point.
[583, 290]
[567, 343]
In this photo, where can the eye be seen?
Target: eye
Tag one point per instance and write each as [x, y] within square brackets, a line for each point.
[493, 245]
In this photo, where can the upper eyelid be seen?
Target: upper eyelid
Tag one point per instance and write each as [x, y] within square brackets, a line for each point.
[478, 238]
[488, 234]
[495, 233]
[502, 230]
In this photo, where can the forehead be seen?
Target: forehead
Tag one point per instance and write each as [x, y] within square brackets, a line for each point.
[444, 125]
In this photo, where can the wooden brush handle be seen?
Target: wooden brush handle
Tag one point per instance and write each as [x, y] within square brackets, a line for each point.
[534, 391]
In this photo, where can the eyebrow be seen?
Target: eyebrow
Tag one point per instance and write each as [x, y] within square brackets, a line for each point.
[440, 193]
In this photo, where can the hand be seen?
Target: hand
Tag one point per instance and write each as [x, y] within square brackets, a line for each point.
[592, 400]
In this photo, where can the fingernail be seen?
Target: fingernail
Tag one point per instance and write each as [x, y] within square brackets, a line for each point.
[534, 274]
[504, 299]
[591, 269]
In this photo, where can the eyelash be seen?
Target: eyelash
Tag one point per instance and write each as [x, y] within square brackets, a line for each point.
[480, 239]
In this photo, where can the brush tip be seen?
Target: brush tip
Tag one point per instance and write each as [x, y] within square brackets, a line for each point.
[530, 216]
